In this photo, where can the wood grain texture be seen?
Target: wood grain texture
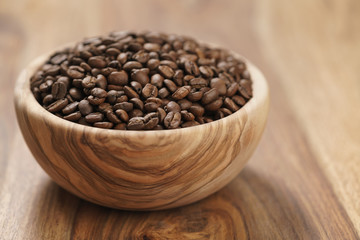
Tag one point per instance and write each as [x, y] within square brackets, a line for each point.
[139, 170]
[301, 183]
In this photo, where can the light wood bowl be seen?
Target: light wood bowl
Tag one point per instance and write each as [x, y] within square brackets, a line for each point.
[141, 170]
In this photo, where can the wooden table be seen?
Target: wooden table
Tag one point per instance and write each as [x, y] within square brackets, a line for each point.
[303, 181]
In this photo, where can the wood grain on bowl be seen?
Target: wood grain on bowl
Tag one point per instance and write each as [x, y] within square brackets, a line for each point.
[141, 170]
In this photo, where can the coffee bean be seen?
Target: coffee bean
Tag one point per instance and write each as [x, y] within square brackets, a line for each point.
[136, 113]
[228, 103]
[112, 117]
[172, 107]
[225, 111]
[181, 92]
[73, 116]
[184, 104]
[97, 62]
[219, 84]
[197, 110]
[76, 94]
[152, 47]
[151, 120]
[85, 107]
[94, 117]
[88, 82]
[127, 106]
[231, 90]
[118, 78]
[48, 99]
[58, 105]
[215, 105]
[195, 96]
[72, 107]
[238, 100]
[152, 64]
[206, 71]
[166, 71]
[120, 126]
[191, 68]
[187, 116]
[163, 93]
[190, 124]
[122, 58]
[198, 83]
[106, 125]
[210, 96]
[178, 77]
[130, 92]
[64, 80]
[172, 120]
[99, 93]
[137, 103]
[58, 90]
[122, 115]
[132, 65]
[136, 86]
[170, 85]
[115, 87]
[162, 114]
[112, 51]
[149, 91]
[141, 56]
[157, 80]
[136, 123]
[140, 76]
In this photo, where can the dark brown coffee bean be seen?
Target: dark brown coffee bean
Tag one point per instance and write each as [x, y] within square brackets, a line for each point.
[187, 78]
[118, 78]
[210, 96]
[132, 65]
[151, 120]
[58, 90]
[172, 107]
[122, 115]
[197, 110]
[64, 80]
[149, 91]
[70, 108]
[219, 84]
[152, 47]
[97, 62]
[127, 106]
[170, 85]
[137, 103]
[48, 99]
[85, 107]
[136, 86]
[88, 82]
[58, 58]
[115, 87]
[178, 77]
[104, 107]
[215, 105]
[232, 89]
[73, 116]
[76, 94]
[198, 83]
[238, 100]
[112, 117]
[157, 80]
[228, 103]
[184, 104]
[190, 124]
[225, 111]
[58, 105]
[122, 58]
[99, 93]
[195, 96]
[85, 66]
[94, 117]
[187, 116]
[112, 51]
[77, 83]
[172, 120]
[83, 122]
[141, 56]
[136, 123]
[200, 120]
[122, 98]
[181, 92]
[169, 63]
[136, 113]
[206, 71]
[106, 125]
[140, 76]
[95, 100]
[130, 92]
[52, 71]
[166, 71]
[163, 93]
[120, 126]
[152, 64]
[245, 74]
[45, 87]
[162, 114]
[191, 68]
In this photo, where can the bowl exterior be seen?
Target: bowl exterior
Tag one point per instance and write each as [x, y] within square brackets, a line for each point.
[141, 170]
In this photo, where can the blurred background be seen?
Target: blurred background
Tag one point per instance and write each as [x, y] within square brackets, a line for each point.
[308, 159]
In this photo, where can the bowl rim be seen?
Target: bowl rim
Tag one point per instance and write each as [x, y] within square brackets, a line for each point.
[24, 97]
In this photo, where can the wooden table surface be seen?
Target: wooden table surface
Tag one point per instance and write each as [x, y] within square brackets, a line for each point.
[303, 182]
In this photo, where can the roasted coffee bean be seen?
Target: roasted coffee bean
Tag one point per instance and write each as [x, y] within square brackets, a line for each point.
[184, 104]
[88, 82]
[210, 96]
[58, 105]
[219, 84]
[170, 85]
[76, 94]
[132, 65]
[127, 106]
[73, 116]
[137, 103]
[72, 107]
[140, 76]
[58, 90]
[197, 110]
[106, 125]
[85, 107]
[166, 71]
[172, 80]
[94, 117]
[149, 91]
[97, 62]
[228, 103]
[172, 120]
[136, 123]
[215, 105]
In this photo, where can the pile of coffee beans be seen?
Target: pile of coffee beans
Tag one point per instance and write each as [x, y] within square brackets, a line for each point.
[142, 81]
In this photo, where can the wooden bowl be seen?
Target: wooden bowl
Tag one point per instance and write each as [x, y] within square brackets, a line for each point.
[141, 170]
